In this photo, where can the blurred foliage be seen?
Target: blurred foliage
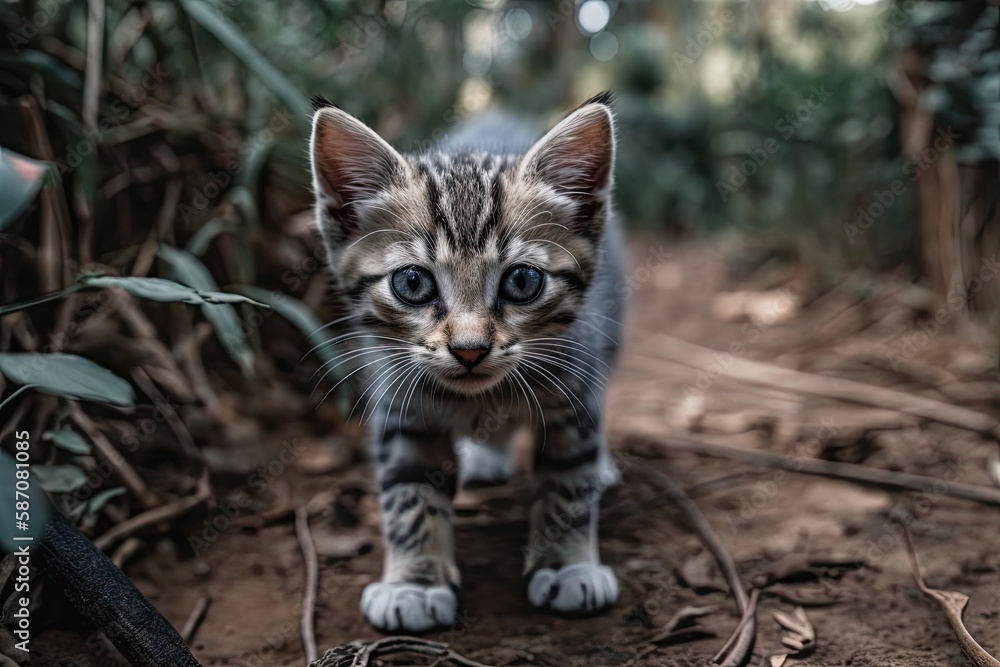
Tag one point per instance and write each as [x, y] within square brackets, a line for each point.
[175, 132]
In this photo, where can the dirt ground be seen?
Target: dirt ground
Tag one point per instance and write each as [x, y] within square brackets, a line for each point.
[825, 544]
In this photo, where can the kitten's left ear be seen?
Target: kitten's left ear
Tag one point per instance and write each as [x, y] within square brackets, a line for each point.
[577, 156]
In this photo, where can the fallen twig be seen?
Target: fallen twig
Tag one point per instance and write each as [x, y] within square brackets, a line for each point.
[308, 547]
[738, 647]
[175, 423]
[123, 469]
[953, 604]
[851, 472]
[125, 552]
[363, 654]
[754, 372]
[195, 619]
[166, 512]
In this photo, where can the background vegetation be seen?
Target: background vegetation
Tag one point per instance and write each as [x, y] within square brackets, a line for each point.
[167, 140]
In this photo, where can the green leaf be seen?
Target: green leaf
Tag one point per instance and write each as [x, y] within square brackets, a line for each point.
[67, 375]
[189, 270]
[159, 289]
[68, 439]
[20, 180]
[296, 312]
[58, 76]
[101, 499]
[230, 36]
[200, 240]
[59, 479]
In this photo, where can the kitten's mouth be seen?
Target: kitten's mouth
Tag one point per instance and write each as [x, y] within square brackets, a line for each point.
[471, 382]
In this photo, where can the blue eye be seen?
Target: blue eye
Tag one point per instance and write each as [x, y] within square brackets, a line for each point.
[520, 284]
[414, 285]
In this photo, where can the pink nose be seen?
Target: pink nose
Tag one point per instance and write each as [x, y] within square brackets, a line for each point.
[469, 356]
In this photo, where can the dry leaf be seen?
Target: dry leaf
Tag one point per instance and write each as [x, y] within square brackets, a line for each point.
[953, 604]
[801, 636]
[683, 627]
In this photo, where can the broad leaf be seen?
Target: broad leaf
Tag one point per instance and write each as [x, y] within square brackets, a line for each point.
[189, 270]
[158, 289]
[223, 30]
[66, 375]
[68, 439]
[59, 479]
[299, 314]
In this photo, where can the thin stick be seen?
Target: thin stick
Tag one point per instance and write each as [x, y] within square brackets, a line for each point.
[173, 421]
[746, 630]
[312, 581]
[850, 472]
[123, 469]
[125, 552]
[195, 619]
[171, 510]
[757, 373]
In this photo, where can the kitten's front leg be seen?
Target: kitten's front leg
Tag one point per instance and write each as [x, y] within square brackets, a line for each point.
[562, 565]
[420, 579]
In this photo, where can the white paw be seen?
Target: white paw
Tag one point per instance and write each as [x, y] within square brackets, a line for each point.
[482, 465]
[408, 607]
[577, 588]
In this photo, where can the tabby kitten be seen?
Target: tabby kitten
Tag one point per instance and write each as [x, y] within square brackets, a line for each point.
[477, 277]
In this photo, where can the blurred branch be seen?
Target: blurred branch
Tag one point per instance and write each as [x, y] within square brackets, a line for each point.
[679, 351]
[122, 468]
[95, 49]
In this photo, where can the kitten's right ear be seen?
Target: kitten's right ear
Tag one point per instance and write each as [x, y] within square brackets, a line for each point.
[351, 165]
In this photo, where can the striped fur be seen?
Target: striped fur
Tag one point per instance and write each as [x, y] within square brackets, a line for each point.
[467, 213]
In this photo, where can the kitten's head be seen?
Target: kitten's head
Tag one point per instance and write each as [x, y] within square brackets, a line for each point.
[457, 263]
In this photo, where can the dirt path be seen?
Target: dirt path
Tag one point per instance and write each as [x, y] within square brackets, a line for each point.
[828, 545]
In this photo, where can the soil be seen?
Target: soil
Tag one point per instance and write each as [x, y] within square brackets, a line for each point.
[825, 544]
